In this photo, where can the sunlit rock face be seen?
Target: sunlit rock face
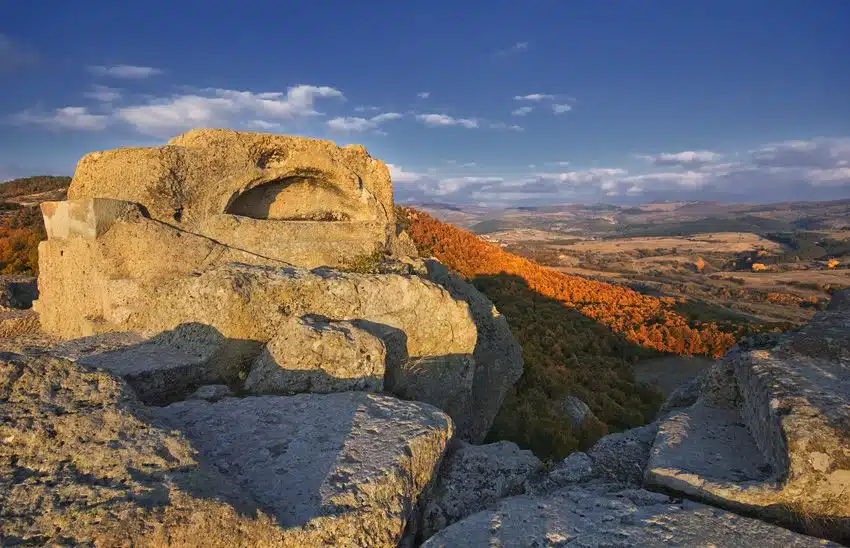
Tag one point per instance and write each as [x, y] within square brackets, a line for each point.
[306, 202]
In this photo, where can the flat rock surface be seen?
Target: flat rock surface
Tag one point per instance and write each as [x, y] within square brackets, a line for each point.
[156, 370]
[608, 515]
[700, 447]
[83, 463]
[307, 456]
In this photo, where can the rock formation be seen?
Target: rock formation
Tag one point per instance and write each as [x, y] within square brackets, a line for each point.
[770, 432]
[302, 201]
[83, 463]
[206, 243]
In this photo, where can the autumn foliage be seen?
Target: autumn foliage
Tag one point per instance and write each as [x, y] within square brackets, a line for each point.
[643, 320]
[580, 337]
[20, 232]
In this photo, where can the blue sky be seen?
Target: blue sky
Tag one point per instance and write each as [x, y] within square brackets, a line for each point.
[491, 103]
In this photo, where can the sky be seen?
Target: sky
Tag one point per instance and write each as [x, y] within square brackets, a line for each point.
[497, 103]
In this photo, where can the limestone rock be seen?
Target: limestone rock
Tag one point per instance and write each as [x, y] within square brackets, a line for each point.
[434, 351]
[623, 456]
[161, 369]
[497, 354]
[17, 292]
[349, 464]
[205, 232]
[685, 395]
[576, 468]
[318, 356]
[14, 322]
[474, 477]
[776, 443]
[575, 410]
[82, 463]
[298, 200]
[609, 515]
[211, 392]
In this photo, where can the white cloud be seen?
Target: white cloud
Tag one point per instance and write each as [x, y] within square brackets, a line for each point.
[13, 56]
[818, 153]
[63, 118]
[104, 94]
[358, 125]
[262, 124]
[559, 164]
[522, 111]
[124, 71]
[220, 106]
[423, 94]
[561, 108]
[534, 97]
[688, 158]
[364, 108]
[401, 176]
[437, 120]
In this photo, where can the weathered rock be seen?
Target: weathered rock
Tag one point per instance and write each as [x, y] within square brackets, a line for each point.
[18, 322]
[685, 395]
[303, 201]
[318, 356]
[608, 515]
[82, 463]
[772, 436]
[161, 369]
[575, 410]
[211, 392]
[474, 477]
[203, 231]
[497, 354]
[434, 352]
[576, 468]
[17, 291]
[358, 458]
[623, 456]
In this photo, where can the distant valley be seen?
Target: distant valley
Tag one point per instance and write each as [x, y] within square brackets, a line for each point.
[771, 264]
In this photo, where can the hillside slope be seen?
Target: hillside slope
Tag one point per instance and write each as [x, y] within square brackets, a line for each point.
[579, 338]
[21, 225]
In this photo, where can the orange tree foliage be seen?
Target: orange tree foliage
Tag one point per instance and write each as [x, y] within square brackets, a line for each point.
[20, 233]
[579, 337]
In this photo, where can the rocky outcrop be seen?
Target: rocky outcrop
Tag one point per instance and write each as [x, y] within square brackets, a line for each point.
[302, 201]
[211, 233]
[770, 433]
[83, 463]
[609, 515]
[474, 477]
[440, 349]
[318, 356]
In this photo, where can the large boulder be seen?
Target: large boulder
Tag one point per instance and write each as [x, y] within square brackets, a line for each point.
[770, 433]
[217, 229]
[474, 477]
[451, 350]
[318, 356]
[83, 463]
[610, 515]
[303, 201]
